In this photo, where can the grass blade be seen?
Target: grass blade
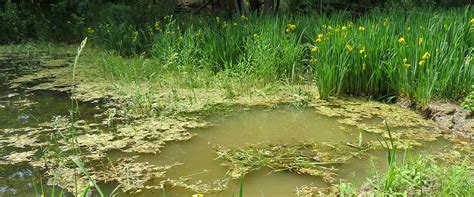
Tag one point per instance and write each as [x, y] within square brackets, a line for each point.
[79, 164]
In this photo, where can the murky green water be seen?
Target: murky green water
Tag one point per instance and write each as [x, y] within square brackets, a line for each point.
[283, 125]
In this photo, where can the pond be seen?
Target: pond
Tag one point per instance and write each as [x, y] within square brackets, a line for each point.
[244, 129]
[281, 125]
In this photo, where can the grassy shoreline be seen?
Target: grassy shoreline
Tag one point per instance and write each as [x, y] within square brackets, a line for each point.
[382, 55]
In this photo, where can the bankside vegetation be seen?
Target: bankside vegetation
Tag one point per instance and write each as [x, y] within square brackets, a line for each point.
[157, 69]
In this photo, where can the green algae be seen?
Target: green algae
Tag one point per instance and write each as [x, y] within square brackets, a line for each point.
[315, 159]
[17, 157]
[408, 127]
[311, 190]
[149, 135]
[196, 186]
[129, 174]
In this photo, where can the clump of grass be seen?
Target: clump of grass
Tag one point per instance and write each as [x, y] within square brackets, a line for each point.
[423, 176]
[419, 176]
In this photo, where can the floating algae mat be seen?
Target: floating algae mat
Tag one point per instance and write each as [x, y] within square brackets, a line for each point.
[280, 151]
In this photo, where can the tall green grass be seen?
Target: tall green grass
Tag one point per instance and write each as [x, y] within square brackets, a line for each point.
[421, 55]
[382, 54]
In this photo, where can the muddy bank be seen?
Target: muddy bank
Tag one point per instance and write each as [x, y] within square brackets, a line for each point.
[451, 118]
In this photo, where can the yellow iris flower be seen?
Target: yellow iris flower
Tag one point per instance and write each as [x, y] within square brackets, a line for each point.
[319, 38]
[426, 56]
[349, 47]
[401, 40]
[290, 27]
[157, 25]
[420, 41]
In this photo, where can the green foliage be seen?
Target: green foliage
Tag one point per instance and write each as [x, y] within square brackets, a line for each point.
[259, 49]
[423, 175]
[65, 20]
[79, 164]
[12, 26]
[19, 24]
[346, 189]
[422, 55]
[468, 102]
[415, 176]
[125, 38]
[273, 54]
[380, 54]
[241, 190]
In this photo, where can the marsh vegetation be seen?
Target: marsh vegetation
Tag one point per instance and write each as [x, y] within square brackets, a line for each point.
[220, 99]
